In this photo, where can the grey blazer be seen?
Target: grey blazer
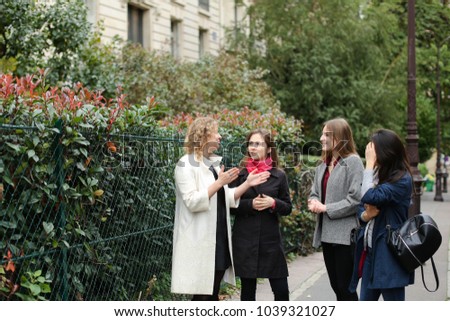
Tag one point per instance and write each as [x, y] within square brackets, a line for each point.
[342, 199]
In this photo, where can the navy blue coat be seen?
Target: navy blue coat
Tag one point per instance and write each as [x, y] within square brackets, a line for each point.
[393, 201]
[257, 244]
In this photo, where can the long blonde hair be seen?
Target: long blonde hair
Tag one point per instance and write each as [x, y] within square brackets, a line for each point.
[198, 133]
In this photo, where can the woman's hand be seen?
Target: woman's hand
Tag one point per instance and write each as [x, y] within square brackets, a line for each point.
[371, 156]
[316, 207]
[254, 179]
[371, 211]
[228, 176]
[262, 202]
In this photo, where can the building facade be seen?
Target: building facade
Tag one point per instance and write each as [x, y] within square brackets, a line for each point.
[187, 29]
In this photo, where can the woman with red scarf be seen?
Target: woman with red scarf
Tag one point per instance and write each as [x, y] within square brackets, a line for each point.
[257, 246]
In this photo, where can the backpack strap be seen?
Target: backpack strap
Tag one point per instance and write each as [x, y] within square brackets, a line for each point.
[436, 277]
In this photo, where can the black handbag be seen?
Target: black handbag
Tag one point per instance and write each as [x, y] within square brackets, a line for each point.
[354, 238]
[415, 242]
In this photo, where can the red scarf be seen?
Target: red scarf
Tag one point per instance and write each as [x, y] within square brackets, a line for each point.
[260, 165]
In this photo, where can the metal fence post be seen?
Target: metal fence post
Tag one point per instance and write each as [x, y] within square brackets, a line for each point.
[61, 212]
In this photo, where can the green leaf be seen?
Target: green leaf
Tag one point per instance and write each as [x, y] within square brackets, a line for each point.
[82, 181]
[31, 153]
[11, 225]
[36, 141]
[35, 289]
[80, 166]
[45, 288]
[40, 126]
[48, 227]
[84, 125]
[80, 231]
[15, 147]
[36, 112]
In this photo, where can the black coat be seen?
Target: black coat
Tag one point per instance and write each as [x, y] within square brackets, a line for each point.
[257, 245]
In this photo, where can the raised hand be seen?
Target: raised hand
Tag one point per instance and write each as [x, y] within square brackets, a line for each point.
[371, 156]
[254, 179]
[228, 176]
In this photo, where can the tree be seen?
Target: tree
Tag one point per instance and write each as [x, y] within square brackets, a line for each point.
[330, 59]
[39, 35]
[433, 40]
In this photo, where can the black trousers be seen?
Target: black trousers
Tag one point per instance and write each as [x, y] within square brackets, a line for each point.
[215, 296]
[279, 287]
[339, 263]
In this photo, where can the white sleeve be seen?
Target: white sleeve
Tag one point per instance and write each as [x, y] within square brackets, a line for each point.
[195, 199]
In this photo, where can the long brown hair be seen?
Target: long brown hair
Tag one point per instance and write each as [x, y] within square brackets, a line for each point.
[270, 143]
[343, 142]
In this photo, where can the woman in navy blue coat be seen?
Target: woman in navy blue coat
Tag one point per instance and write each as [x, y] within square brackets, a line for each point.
[386, 189]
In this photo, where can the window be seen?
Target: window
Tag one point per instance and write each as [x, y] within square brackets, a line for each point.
[175, 26]
[203, 4]
[135, 24]
[202, 42]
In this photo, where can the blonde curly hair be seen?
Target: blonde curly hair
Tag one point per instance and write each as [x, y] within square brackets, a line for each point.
[198, 133]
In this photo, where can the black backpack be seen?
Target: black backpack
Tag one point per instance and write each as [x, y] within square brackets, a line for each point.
[415, 242]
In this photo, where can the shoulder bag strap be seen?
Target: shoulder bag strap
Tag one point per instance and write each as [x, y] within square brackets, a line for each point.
[435, 276]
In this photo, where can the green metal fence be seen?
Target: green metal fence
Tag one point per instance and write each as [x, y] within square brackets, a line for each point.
[88, 216]
[98, 229]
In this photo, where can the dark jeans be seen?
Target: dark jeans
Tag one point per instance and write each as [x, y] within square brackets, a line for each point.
[279, 287]
[394, 294]
[339, 263]
[215, 296]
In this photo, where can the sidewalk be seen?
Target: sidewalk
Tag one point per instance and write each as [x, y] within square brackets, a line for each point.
[308, 280]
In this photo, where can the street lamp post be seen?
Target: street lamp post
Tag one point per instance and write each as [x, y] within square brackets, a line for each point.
[445, 176]
[412, 137]
[439, 172]
[438, 196]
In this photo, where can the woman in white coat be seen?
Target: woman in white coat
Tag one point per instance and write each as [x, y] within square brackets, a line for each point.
[201, 240]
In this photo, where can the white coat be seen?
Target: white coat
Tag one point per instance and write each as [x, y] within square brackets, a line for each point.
[194, 236]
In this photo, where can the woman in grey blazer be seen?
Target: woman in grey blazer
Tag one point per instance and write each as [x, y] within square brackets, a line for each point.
[334, 199]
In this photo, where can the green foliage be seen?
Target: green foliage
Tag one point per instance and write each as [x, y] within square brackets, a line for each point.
[98, 65]
[298, 230]
[36, 286]
[79, 190]
[61, 194]
[40, 35]
[209, 85]
[238, 123]
[433, 71]
[426, 120]
[422, 169]
[328, 59]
